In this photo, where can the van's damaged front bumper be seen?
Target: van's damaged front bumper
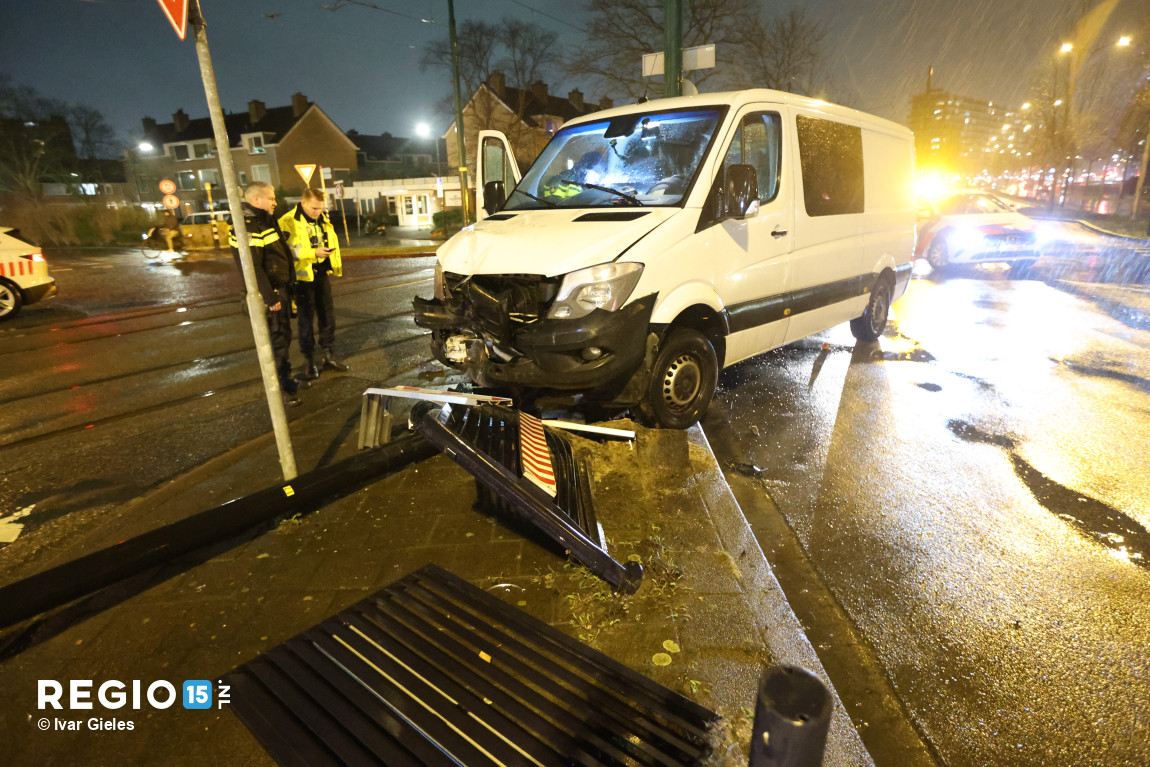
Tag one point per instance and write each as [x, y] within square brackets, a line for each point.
[591, 351]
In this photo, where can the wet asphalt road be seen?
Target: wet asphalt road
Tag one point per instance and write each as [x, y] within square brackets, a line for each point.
[959, 515]
[139, 371]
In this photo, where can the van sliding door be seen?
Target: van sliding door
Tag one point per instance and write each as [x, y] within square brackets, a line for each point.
[826, 281]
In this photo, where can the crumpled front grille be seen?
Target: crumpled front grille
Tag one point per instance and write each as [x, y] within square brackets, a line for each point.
[498, 304]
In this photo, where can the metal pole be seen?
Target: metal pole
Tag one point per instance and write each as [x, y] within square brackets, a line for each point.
[256, 307]
[458, 113]
[672, 48]
[792, 717]
[212, 210]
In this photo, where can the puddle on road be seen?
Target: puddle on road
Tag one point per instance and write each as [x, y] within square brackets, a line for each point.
[1096, 520]
[1099, 521]
[929, 386]
[968, 432]
[1094, 371]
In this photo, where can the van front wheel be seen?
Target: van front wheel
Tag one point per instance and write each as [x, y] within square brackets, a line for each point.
[683, 380]
[870, 325]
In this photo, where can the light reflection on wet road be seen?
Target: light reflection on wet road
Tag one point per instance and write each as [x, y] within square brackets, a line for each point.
[973, 491]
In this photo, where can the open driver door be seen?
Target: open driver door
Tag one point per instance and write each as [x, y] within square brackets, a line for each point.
[496, 171]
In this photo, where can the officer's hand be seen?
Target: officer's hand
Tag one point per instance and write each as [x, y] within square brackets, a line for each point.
[322, 253]
[276, 307]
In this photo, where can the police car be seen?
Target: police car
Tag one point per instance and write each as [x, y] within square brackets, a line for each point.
[968, 227]
[23, 273]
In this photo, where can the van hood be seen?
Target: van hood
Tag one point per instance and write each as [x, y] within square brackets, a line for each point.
[548, 242]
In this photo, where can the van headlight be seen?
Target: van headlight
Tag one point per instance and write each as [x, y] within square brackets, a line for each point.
[605, 286]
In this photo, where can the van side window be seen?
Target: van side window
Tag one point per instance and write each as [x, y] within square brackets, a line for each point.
[757, 142]
[831, 158]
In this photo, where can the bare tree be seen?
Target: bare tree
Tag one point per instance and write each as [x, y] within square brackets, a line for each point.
[784, 53]
[478, 45]
[528, 49]
[93, 137]
[619, 32]
[35, 144]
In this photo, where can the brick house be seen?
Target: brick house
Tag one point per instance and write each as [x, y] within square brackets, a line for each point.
[265, 144]
[528, 117]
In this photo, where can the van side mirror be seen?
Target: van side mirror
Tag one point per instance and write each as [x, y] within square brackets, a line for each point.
[494, 195]
[742, 191]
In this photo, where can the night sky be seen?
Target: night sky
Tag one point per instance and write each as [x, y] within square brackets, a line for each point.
[361, 66]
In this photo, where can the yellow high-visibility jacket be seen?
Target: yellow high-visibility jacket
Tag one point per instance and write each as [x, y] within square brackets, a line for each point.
[300, 231]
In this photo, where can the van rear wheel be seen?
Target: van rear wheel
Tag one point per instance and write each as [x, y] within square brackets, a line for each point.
[683, 380]
[870, 325]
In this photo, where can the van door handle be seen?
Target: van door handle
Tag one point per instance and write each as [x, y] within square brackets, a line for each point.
[777, 233]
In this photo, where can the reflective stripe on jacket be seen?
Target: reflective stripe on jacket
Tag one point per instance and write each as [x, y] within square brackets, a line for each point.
[271, 257]
[299, 230]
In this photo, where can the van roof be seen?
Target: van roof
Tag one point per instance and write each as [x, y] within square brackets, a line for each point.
[738, 98]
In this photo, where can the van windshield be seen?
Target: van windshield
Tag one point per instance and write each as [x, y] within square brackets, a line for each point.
[638, 159]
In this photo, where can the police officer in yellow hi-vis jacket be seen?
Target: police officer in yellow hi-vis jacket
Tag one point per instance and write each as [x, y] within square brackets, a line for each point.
[313, 241]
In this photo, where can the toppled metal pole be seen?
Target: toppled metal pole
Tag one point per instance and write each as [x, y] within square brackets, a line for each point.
[56, 587]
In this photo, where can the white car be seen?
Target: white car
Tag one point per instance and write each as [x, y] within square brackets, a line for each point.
[972, 227]
[23, 274]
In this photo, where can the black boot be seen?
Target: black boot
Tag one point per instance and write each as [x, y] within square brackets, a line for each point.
[310, 371]
[331, 363]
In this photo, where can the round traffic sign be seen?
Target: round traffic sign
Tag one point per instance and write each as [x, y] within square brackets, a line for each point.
[168, 187]
[171, 202]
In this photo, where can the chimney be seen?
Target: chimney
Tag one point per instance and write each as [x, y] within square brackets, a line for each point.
[299, 104]
[256, 111]
[179, 121]
[497, 83]
[149, 125]
[539, 88]
[606, 103]
[576, 99]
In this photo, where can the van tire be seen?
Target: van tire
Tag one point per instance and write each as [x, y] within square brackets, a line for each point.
[871, 323]
[10, 300]
[683, 380]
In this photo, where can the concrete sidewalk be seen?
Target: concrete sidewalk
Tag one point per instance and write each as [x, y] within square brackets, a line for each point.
[708, 602]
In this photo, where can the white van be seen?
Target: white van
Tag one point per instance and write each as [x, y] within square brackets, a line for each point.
[651, 245]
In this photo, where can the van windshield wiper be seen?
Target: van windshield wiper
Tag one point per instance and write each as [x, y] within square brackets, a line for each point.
[628, 197]
[533, 197]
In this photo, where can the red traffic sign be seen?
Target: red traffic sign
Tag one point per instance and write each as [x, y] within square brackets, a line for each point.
[171, 202]
[168, 187]
[177, 13]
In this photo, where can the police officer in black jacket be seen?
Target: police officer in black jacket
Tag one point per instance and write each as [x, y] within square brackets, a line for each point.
[275, 274]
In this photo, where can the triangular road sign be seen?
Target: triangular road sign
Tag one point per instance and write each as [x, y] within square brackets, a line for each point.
[305, 172]
[177, 13]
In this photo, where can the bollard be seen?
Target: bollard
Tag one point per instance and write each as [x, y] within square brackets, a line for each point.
[792, 716]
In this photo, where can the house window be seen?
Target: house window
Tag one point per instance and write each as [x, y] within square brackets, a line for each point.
[203, 149]
[186, 180]
[180, 151]
[421, 202]
[256, 145]
[407, 206]
[210, 176]
[145, 185]
[243, 179]
[262, 173]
